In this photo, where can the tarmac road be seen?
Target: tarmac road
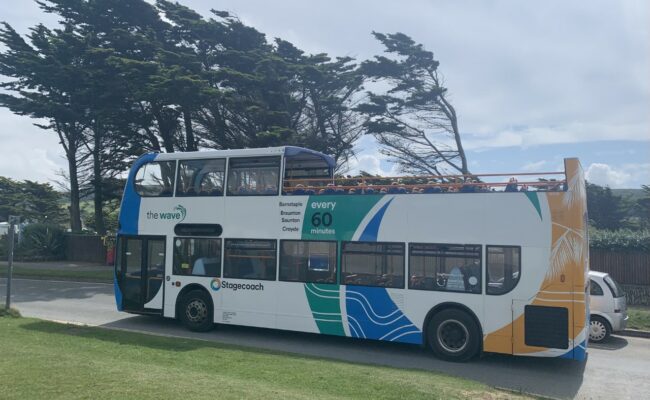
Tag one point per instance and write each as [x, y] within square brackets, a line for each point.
[619, 369]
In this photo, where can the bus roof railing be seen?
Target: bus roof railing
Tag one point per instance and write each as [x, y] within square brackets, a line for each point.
[420, 182]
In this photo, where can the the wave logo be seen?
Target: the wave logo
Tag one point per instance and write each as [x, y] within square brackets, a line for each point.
[177, 214]
[215, 284]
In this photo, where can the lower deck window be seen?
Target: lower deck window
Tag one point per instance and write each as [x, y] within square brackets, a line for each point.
[373, 264]
[445, 267]
[308, 261]
[503, 268]
[197, 256]
[250, 259]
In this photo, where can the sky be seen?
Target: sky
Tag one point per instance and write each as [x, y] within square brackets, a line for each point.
[532, 82]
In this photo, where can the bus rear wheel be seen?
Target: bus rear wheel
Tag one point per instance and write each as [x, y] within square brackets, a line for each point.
[453, 335]
[196, 312]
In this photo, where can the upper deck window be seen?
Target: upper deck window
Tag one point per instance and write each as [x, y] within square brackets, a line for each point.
[155, 179]
[200, 177]
[253, 176]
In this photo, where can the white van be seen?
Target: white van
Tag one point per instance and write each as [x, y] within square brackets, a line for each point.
[607, 306]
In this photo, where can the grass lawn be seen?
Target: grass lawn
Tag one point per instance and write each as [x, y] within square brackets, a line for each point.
[639, 317]
[105, 276]
[41, 359]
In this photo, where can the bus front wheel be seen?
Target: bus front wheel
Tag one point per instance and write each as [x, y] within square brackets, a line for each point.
[453, 335]
[196, 312]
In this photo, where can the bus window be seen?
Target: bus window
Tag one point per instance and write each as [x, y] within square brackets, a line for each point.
[155, 179]
[503, 268]
[307, 261]
[250, 259]
[373, 264]
[198, 257]
[445, 267]
[200, 177]
[250, 176]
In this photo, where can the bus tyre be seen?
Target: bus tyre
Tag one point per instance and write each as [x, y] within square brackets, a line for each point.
[599, 329]
[196, 311]
[453, 335]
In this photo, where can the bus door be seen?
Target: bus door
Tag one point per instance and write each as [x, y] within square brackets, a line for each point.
[140, 270]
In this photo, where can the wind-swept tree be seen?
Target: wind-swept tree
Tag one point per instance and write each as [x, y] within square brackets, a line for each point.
[45, 85]
[414, 120]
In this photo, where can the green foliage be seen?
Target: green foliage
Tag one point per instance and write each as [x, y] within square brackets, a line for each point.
[622, 239]
[116, 79]
[414, 122]
[606, 210]
[42, 241]
[641, 209]
[9, 312]
[32, 201]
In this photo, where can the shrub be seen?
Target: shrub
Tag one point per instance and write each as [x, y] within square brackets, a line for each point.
[9, 312]
[622, 239]
[42, 240]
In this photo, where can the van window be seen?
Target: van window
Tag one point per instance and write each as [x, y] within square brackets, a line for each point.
[594, 288]
[617, 290]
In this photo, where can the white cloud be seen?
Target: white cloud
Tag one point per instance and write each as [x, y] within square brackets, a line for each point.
[519, 74]
[534, 166]
[28, 152]
[605, 175]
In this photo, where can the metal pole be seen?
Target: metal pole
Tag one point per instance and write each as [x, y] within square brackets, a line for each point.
[12, 225]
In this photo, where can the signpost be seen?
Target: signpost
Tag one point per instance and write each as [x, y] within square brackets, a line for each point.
[13, 221]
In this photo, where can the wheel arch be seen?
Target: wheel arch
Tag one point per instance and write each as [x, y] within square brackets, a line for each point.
[604, 317]
[187, 289]
[447, 306]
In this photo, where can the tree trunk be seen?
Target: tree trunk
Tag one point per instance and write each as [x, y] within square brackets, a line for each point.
[75, 212]
[98, 193]
[189, 131]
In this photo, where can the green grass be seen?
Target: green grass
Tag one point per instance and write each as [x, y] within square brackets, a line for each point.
[639, 318]
[64, 274]
[42, 359]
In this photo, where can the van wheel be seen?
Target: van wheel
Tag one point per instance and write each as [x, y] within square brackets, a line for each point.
[599, 329]
[196, 312]
[453, 335]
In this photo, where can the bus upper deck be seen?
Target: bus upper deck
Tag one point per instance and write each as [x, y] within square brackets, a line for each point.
[257, 172]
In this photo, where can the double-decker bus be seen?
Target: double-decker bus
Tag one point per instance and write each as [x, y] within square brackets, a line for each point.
[269, 238]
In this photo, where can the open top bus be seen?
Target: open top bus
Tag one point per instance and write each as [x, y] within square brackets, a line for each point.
[270, 238]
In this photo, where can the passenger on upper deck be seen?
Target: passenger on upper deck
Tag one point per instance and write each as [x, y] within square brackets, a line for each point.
[394, 188]
[299, 190]
[469, 186]
[432, 187]
[329, 189]
[512, 185]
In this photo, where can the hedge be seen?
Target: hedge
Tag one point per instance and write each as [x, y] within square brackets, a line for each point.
[622, 240]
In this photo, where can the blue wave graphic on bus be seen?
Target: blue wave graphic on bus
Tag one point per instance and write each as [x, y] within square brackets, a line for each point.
[372, 314]
[372, 229]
